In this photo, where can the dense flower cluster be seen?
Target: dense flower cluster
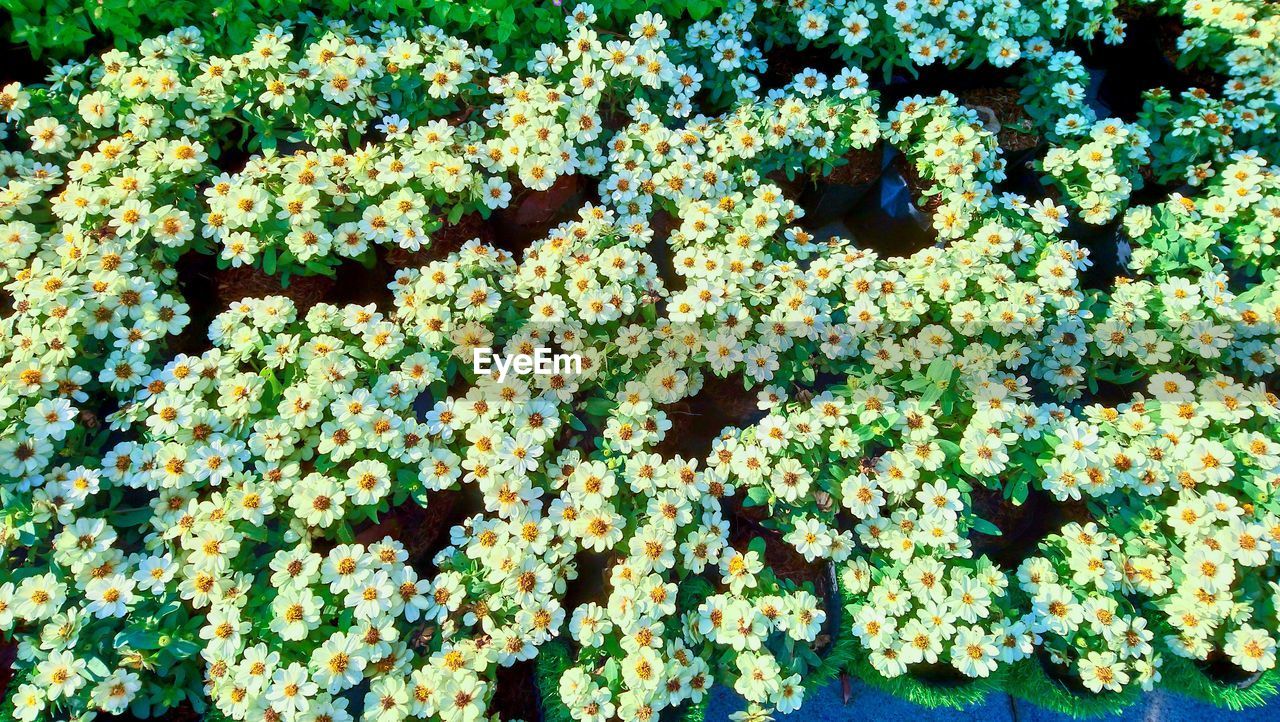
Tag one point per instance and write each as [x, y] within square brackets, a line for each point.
[212, 527]
[1240, 38]
[1178, 569]
[1230, 226]
[920, 33]
[1098, 167]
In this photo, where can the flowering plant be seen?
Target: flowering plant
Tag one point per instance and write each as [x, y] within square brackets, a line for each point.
[779, 454]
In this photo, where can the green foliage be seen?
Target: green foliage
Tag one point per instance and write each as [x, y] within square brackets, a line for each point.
[1184, 677]
[1028, 681]
[68, 28]
[554, 659]
[1191, 134]
[914, 690]
[497, 22]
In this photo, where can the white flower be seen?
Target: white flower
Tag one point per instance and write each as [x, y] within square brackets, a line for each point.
[1101, 670]
[110, 596]
[61, 674]
[973, 652]
[1253, 650]
[28, 702]
[51, 418]
[393, 126]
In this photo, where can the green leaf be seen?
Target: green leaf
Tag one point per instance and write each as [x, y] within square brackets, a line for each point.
[982, 526]
[136, 516]
[256, 533]
[1021, 490]
[940, 370]
[321, 269]
[345, 533]
[182, 648]
[598, 407]
[757, 496]
[97, 667]
[407, 476]
[138, 639]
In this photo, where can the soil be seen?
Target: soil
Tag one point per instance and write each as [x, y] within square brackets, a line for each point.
[423, 531]
[691, 434]
[515, 695]
[449, 238]
[1146, 59]
[19, 66]
[234, 284]
[1166, 30]
[658, 249]
[864, 166]
[8, 653]
[746, 525]
[590, 566]
[1103, 251]
[1016, 523]
[532, 214]
[918, 185]
[937, 78]
[1022, 177]
[356, 283]
[196, 282]
[209, 290]
[696, 422]
[1022, 526]
[1113, 394]
[785, 62]
[793, 188]
[1017, 132]
[184, 712]
[787, 563]
[828, 199]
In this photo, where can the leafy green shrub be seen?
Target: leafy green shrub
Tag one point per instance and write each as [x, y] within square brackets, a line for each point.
[66, 28]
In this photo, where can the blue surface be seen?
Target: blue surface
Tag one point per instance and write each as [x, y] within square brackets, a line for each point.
[826, 705]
